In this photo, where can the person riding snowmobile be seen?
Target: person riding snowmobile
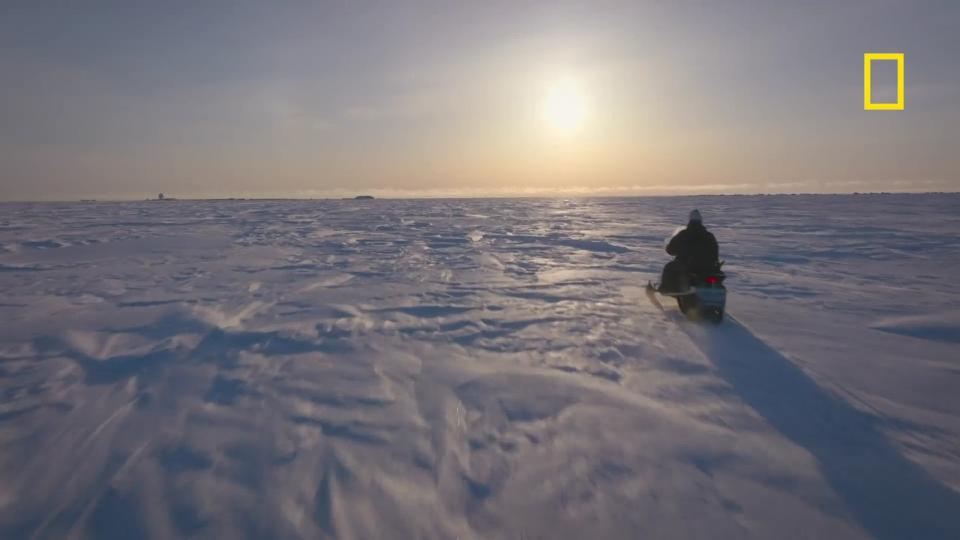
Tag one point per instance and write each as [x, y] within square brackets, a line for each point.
[695, 251]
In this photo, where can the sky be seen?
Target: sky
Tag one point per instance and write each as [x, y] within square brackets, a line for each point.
[124, 100]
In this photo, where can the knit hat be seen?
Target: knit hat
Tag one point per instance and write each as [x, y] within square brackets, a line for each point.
[695, 216]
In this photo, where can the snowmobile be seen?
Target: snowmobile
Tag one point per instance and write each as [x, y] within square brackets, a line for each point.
[704, 297]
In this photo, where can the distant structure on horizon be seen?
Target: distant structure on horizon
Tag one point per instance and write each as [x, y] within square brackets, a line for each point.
[363, 197]
[160, 197]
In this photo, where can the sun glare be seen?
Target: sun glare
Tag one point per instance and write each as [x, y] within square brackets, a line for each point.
[565, 107]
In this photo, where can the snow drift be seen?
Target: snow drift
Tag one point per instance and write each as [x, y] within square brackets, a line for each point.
[477, 369]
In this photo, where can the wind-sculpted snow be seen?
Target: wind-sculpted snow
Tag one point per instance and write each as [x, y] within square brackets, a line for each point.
[477, 369]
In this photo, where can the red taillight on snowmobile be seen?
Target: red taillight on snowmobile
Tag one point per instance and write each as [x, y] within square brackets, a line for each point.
[712, 280]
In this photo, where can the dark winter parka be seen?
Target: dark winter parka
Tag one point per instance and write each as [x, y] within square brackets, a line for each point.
[696, 248]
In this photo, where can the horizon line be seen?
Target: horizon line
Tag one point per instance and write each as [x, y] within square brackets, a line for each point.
[480, 197]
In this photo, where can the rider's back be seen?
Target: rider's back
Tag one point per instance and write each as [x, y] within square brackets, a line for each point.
[696, 248]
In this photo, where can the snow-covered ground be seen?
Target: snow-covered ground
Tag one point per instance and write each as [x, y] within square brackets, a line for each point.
[477, 369]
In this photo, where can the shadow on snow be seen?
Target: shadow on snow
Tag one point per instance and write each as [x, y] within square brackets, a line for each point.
[890, 496]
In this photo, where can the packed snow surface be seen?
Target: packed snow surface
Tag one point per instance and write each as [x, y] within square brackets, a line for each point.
[477, 369]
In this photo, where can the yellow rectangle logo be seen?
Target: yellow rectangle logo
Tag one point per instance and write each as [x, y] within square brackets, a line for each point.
[868, 104]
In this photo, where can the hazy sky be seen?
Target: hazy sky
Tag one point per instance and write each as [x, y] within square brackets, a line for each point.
[202, 98]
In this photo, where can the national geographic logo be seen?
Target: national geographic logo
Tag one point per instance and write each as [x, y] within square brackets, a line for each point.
[868, 104]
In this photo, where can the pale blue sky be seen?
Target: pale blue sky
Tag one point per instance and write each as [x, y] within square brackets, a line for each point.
[126, 99]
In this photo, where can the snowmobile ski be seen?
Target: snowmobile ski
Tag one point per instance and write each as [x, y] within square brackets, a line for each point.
[698, 304]
[652, 295]
[672, 294]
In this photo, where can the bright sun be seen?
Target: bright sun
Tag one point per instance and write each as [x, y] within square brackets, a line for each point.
[565, 107]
